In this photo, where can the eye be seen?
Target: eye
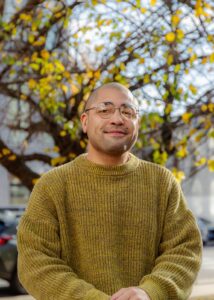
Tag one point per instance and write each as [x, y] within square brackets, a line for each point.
[128, 112]
[105, 109]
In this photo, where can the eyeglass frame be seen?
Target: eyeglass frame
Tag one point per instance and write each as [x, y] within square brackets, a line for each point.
[115, 107]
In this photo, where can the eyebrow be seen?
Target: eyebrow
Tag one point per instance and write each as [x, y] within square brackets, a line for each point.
[123, 104]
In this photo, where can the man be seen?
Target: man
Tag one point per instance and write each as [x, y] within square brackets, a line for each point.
[108, 225]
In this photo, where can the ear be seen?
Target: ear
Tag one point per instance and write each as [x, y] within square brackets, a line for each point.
[84, 121]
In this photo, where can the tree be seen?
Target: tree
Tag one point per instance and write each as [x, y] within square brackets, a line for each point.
[54, 53]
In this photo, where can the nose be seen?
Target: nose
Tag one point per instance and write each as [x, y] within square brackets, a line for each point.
[117, 118]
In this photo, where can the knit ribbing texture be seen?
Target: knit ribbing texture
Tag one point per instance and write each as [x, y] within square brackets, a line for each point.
[90, 230]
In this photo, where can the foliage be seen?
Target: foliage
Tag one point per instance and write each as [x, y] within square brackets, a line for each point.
[54, 53]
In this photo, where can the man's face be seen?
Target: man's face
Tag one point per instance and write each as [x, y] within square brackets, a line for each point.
[113, 136]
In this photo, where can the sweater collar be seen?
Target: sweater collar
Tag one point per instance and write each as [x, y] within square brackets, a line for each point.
[82, 162]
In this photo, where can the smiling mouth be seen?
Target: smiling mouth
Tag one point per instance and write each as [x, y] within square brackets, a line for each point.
[115, 133]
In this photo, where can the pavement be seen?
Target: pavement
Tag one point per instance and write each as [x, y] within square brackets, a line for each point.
[203, 288]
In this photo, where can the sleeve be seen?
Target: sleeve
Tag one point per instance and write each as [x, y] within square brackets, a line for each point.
[180, 249]
[42, 271]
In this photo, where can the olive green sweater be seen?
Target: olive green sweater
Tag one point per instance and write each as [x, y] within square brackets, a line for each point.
[90, 230]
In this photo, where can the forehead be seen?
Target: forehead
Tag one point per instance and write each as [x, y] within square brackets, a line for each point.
[115, 95]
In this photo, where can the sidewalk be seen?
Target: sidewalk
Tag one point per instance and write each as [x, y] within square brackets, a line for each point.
[203, 292]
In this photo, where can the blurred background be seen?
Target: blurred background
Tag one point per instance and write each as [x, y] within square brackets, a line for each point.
[54, 53]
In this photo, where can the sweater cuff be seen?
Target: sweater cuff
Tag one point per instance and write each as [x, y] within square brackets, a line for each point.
[154, 291]
[95, 294]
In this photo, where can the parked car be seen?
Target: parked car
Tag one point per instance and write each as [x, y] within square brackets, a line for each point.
[207, 230]
[8, 254]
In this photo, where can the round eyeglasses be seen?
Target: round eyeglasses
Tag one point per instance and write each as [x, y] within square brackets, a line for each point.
[107, 109]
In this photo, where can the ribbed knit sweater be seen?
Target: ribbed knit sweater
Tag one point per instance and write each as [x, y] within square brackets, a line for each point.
[90, 230]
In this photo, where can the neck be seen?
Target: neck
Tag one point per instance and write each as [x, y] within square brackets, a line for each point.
[109, 160]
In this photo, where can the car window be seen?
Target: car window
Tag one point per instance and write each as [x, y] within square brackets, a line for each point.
[11, 230]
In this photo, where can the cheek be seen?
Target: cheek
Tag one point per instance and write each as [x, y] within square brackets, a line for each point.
[134, 127]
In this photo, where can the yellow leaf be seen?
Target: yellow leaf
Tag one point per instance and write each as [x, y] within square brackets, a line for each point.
[210, 164]
[45, 54]
[72, 155]
[63, 133]
[74, 89]
[12, 157]
[182, 152]
[32, 83]
[211, 107]
[179, 175]
[180, 91]
[192, 131]
[58, 160]
[153, 2]
[146, 78]
[58, 15]
[97, 74]
[143, 10]
[193, 58]
[23, 97]
[82, 144]
[130, 49]
[59, 66]
[204, 60]
[34, 56]
[210, 38]
[168, 108]
[180, 34]
[186, 117]
[193, 89]
[207, 124]
[122, 66]
[40, 41]
[35, 66]
[56, 149]
[199, 11]
[200, 162]
[177, 68]
[64, 88]
[212, 58]
[6, 151]
[66, 74]
[25, 17]
[204, 107]
[170, 37]
[89, 74]
[170, 59]
[175, 20]
[31, 38]
[35, 180]
[14, 31]
[99, 48]
[199, 137]
[141, 60]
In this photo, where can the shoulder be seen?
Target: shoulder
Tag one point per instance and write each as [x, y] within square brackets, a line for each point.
[56, 176]
[156, 174]
[155, 169]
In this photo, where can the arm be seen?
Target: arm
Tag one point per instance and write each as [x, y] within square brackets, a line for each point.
[179, 256]
[42, 271]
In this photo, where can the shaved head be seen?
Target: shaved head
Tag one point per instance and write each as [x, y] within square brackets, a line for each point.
[112, 85]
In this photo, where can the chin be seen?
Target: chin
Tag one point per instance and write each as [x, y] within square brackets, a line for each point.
[117, 151]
